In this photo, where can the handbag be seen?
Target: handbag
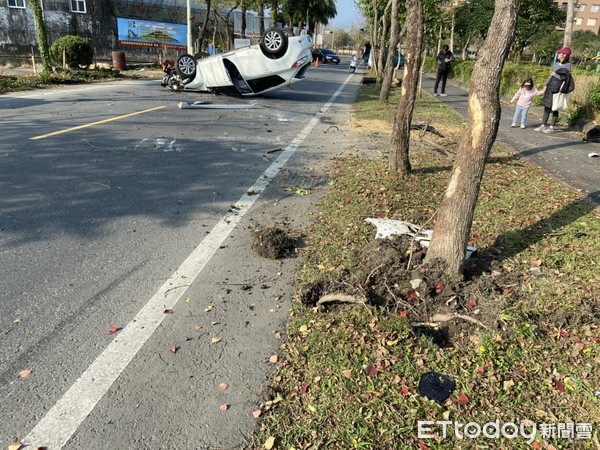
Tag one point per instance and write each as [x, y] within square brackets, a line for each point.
[559, 101]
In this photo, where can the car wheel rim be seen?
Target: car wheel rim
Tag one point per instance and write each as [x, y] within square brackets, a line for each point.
[272, 40]
[187, 66]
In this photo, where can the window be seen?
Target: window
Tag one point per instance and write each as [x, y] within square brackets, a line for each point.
[595, 8]
[578, 21]
[16, 3]
[591, 22]
[78, 6]
[582, 7]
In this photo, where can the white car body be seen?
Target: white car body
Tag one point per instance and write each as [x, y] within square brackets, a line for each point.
[249, 70]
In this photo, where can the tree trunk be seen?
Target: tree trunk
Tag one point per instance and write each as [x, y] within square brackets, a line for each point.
[569, 23]
[386, 84]
[42, 36]
[415, 22]
[374, 33]
[244, 11]
[455, 215]
[274, 8]
[383, 37]
[261, 17]
[203, 27]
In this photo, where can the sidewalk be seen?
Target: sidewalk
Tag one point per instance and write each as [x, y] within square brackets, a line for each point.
[563, 154]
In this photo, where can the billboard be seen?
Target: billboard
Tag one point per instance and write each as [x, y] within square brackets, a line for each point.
[146, 33]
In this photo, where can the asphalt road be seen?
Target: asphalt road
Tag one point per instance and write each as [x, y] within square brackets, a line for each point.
[119, 209]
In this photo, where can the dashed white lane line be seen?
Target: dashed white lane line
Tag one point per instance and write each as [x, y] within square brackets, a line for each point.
[63, 419]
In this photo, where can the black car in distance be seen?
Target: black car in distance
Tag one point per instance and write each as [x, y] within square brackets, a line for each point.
[324, 55]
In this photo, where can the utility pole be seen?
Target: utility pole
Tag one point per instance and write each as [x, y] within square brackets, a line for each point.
[569, 23]
[190, 44]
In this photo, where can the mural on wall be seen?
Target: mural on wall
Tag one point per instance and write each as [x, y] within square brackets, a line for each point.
[147, 33]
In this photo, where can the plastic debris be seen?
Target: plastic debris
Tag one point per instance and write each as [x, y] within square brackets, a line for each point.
[387, 228]
[436, 386]
[210, 105]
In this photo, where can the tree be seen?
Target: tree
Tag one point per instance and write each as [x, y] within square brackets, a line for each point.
[455, 214]
[415, 20]
[535, 17]
[388, 70]
[42, 36]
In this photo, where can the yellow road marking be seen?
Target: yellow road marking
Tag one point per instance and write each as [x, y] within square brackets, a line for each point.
[68, 130]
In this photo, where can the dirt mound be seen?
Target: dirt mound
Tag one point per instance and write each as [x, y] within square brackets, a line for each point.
[272, 243]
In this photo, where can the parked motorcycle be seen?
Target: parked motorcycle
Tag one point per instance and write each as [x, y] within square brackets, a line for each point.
[353, 64]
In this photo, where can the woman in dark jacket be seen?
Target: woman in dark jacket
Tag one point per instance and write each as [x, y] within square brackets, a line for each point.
[560, 80]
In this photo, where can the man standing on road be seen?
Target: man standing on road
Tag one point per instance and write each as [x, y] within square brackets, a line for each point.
[444, 59]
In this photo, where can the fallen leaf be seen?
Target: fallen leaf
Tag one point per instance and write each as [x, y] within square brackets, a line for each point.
[508, 384]
[168, 311]
[256, 414]
[412, 296]
[17, 321]
[223, 386]
[304, 389]
[223, 408]
[311, 408]
[316, 379]
[197, 327]
[559, 386]
[215, 340]
[187, 299]
[113, 330]
[404, 391]
[173, 349]
[564, 333]
[439, 287]
[472, 304]
[269, 443]
[423, 446]
[15, 446]
[303, 329]
[462, 398]
[402, 313]
[208, 308]
[273, 359]
[347, 373]
[25, 373]
[480, 370]
[371, 370]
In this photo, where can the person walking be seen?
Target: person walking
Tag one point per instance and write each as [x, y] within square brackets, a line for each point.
[444, 60]
[524, 98]
[560, 80]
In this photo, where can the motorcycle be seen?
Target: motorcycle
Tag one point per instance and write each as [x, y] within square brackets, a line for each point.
[353, 64]
[170, 78]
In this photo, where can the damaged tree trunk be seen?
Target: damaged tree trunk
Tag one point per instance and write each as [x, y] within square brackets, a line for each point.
[455, 215]
[399, 161]
[388, 70]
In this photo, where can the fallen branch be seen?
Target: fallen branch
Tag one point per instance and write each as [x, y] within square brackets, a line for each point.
[448, 317]
[341, 298]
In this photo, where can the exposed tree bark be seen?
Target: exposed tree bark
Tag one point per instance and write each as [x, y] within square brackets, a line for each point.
[455, 215]
[42, 36]
[388, 71]
[415, 21]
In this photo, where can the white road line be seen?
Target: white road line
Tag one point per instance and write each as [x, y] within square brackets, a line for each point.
[61, 422]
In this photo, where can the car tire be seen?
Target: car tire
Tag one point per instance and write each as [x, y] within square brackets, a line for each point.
[185, 66]
[337, 62]
[288, 32]
[274, 42]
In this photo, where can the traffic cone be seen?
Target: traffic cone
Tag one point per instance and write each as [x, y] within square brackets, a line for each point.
[317, 62]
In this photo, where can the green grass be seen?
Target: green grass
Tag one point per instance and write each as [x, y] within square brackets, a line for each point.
[16, 83]
[540, 365]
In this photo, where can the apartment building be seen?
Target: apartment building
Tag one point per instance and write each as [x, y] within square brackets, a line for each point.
[587, 15]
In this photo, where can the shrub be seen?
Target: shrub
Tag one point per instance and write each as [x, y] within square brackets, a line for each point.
[78, 51]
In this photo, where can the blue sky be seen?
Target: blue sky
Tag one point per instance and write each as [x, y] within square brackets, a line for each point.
[347, 14]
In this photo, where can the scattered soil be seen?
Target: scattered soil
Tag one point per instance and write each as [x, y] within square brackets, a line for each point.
[272, 243]
[388, 276]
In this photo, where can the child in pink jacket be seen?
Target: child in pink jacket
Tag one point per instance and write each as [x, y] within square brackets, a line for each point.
[524, 98]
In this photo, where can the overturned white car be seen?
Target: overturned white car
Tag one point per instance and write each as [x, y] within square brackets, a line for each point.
[278, 60]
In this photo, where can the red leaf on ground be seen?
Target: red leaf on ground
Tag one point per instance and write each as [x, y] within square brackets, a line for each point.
[560, 387]
[404, 391]
[412, 296]
[439, 287]
[536, 445]
[347, 373]
[507, 291]
[480, 370]
[304, 389]
[462, 398]
[564, 333]
[402, 313]
[423, 446]
[25, 373]
[547, 188]
[472, 304]
[223, 386]
[173, 349]
[113, 330]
